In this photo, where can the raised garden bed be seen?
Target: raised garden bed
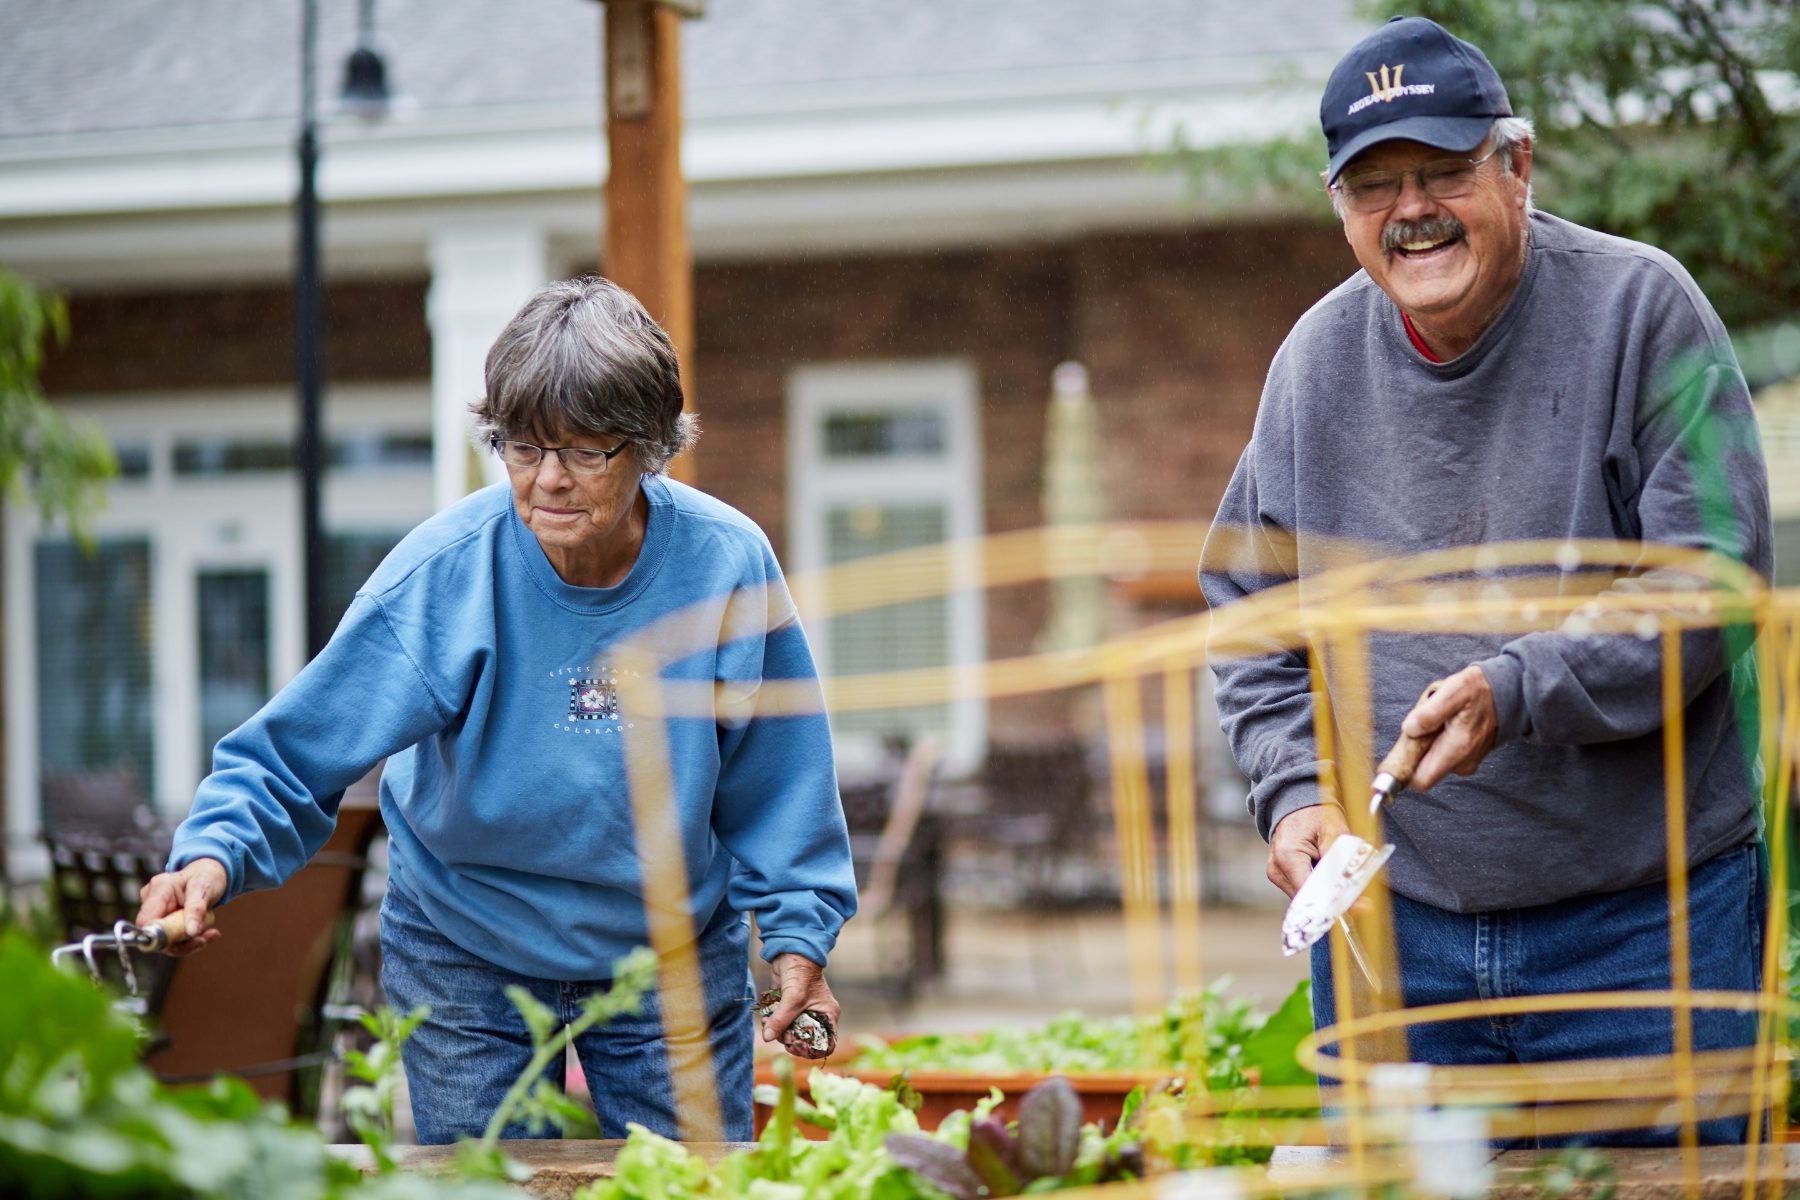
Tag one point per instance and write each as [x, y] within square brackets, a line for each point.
[952, 1072]
[944, 1092]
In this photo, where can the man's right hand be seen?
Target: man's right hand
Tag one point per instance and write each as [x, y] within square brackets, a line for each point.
[194, 889]
[1299, 841]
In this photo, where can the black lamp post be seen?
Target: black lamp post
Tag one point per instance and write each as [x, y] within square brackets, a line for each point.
[365, 93]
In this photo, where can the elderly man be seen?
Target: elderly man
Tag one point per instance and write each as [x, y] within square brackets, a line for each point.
[1491, 374]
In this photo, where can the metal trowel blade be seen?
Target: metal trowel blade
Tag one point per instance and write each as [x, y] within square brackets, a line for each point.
[1335, 883]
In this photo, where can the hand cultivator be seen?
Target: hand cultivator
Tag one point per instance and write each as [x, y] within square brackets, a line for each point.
[96, 948]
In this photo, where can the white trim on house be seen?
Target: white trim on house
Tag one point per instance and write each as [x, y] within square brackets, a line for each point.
[168, 207]
[736, 220]
[505, 154]
[815, 483]
[480, 276]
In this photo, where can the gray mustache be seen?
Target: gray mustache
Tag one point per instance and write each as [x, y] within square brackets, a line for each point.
[1431, 229]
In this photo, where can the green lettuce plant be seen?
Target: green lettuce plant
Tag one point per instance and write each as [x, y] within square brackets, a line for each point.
[1237, 1044]
[874, 1147]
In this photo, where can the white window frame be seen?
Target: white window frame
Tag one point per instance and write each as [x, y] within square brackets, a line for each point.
[814, 482]
[242, 521]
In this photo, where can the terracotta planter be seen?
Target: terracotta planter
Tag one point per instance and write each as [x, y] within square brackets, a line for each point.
[944, 1092]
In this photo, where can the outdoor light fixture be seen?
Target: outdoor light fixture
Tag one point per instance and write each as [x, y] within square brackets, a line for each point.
[365, 94]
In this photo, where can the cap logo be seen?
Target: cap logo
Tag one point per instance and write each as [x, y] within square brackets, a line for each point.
[1386, 87]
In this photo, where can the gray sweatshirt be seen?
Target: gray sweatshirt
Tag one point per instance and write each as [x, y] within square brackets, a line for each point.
[1604, 402]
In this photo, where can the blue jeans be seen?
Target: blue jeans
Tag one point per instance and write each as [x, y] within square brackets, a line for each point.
[461, 1061]
[1618, 941]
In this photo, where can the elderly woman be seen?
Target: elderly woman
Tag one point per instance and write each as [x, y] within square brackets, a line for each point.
[482, 661]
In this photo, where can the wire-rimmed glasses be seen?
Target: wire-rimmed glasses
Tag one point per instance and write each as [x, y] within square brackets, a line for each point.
[1373, 190]
[576, 460]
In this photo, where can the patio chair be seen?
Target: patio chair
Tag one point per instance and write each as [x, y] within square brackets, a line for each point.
[95, 880]
[1038, 812]
[104, 842]
[897, 847]
[105, 803]
[253, 1005]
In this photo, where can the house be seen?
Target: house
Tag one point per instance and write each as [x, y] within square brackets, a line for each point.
[904, 216]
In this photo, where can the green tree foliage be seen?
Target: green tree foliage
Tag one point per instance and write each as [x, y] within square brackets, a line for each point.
[64, 464]
[1674, 122]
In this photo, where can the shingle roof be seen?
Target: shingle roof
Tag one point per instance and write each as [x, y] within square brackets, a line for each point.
[107, 66]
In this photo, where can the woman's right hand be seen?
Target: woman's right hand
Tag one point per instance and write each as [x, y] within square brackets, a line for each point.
[193, 889]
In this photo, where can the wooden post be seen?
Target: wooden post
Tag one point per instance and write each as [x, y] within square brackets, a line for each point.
[646, 247]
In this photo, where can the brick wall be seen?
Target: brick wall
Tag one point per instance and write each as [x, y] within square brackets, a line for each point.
[1007, 311]
[237, 337]
[1177, 330]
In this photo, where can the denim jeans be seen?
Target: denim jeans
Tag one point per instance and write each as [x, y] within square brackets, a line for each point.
[1618, 941]
[461, 1061]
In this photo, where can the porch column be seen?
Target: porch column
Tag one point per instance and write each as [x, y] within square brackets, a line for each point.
[480, 275]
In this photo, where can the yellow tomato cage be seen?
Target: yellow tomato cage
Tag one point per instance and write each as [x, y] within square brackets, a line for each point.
[1506, 590]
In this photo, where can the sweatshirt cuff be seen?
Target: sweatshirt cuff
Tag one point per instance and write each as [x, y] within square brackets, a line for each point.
[1506, 680]
[817, 947]
[227, 855]
[1293, 796]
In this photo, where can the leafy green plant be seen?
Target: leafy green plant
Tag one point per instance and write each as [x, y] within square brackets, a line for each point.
[64, 462]
[1236, 1042]
[874, 1147]
[1043, 1147]
[32, 910]
[1576, 1170]
[851, 1163]
[1268, 1048]
[1663, 121]
[81, 1117]
[535, 1099]
[369, 1106]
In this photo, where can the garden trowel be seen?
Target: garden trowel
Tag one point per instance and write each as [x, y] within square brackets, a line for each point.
[1350, 862]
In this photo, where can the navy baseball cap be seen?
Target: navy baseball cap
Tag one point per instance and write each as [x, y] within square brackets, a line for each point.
[1409, 80]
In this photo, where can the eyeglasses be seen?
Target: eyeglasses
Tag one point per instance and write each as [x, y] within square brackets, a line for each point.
[576, 460]
[1441, 179]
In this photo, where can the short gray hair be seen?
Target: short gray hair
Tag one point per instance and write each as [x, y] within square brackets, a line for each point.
[582, 356]
[1507, 134]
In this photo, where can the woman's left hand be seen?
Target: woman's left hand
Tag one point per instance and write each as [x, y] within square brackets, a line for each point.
[803, 986]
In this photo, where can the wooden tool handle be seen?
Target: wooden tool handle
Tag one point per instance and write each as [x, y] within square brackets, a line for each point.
[1404, 758]
[174, 927]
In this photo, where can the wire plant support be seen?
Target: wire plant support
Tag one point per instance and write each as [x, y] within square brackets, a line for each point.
[1388, 1120]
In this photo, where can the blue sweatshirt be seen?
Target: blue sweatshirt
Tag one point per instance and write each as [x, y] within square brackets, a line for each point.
[497, 693]
[1603, 402]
